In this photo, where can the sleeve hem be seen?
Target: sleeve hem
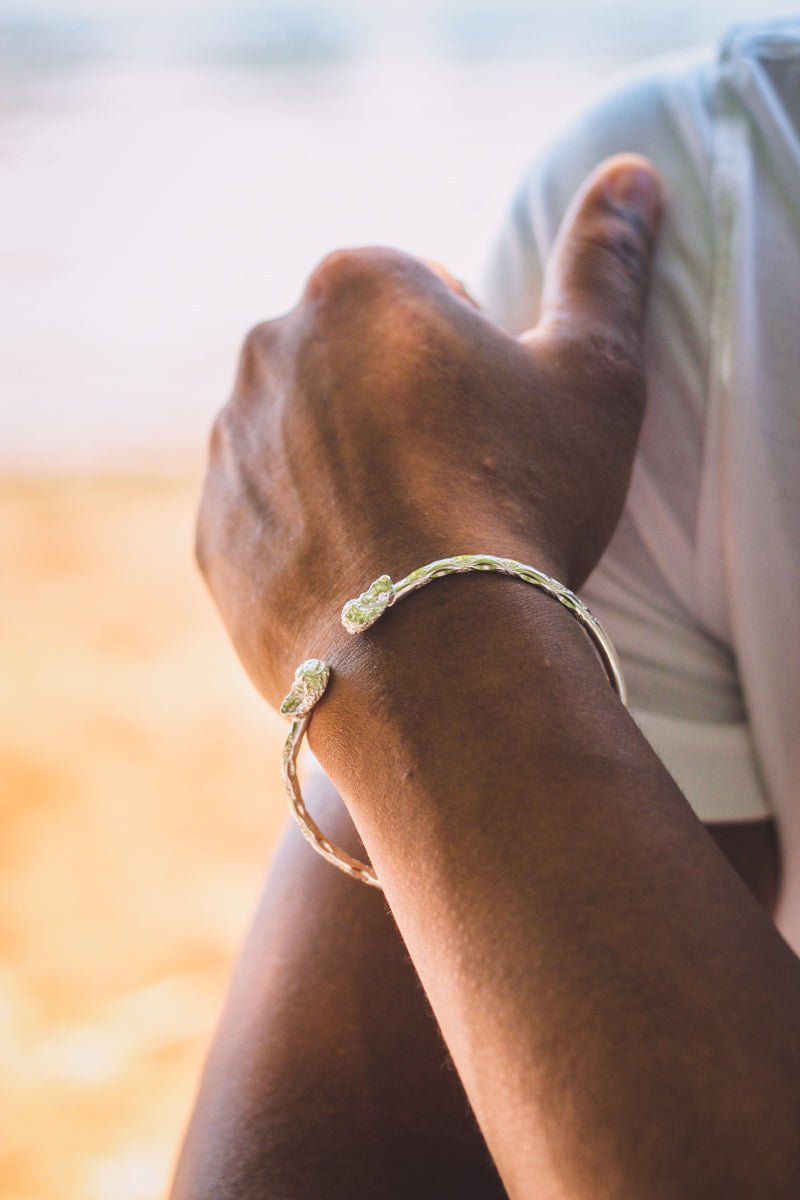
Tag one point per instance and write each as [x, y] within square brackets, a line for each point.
[714, 765]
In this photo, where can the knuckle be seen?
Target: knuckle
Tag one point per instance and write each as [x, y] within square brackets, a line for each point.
[364, 273]
[255, 343]
[627, 245]
[619, 353]
[257, 346]
[340, 270]
[219, 435]
[602, 347]
[620, 248]
[618, 369]
[605, 364]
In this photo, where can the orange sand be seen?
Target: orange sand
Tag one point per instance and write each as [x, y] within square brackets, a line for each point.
[140, 793]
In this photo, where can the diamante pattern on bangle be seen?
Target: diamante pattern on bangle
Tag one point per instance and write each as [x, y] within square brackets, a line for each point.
[312, 676]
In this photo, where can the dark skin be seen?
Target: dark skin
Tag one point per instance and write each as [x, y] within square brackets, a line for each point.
[393, 1121]
[329, 1076]
[602, 979]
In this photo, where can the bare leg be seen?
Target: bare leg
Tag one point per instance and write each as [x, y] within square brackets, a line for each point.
[328, 1076]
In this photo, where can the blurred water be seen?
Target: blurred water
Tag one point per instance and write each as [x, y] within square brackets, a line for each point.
[151, 215]
[154, 204]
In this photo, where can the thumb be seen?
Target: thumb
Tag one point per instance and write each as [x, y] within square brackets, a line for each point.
[598, 272]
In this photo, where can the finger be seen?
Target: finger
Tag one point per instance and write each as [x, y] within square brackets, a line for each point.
[455, 285]
[598, 273]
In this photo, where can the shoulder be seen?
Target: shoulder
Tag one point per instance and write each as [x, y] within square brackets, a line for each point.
[670, 110]
[661, 110]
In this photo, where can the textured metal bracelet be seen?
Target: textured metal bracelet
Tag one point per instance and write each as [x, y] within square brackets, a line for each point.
[311, 677]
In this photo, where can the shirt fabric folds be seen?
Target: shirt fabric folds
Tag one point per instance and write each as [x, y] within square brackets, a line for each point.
[700, 586]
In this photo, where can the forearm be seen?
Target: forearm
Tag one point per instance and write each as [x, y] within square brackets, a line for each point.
[602, 978]
[327, 1078]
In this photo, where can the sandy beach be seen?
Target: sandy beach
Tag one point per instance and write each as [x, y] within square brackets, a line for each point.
[141, 798]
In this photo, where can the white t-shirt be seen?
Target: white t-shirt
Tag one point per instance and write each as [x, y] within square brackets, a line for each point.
[700, 587]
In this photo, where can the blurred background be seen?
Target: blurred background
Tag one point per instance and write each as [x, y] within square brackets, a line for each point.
[169, 173]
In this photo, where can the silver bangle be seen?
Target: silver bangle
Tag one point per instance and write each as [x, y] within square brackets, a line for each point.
[311, 677]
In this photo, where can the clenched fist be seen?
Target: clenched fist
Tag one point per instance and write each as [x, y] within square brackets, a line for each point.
[385, 422]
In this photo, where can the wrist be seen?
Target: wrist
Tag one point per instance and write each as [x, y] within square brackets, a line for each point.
[323, 632]
[458, 659]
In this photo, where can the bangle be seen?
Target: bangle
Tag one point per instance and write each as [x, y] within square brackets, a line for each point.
[311, 677]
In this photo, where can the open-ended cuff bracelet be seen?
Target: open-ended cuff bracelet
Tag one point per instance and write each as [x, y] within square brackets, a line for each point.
[311, 677]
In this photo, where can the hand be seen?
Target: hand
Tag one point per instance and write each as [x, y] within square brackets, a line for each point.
[385, 422]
